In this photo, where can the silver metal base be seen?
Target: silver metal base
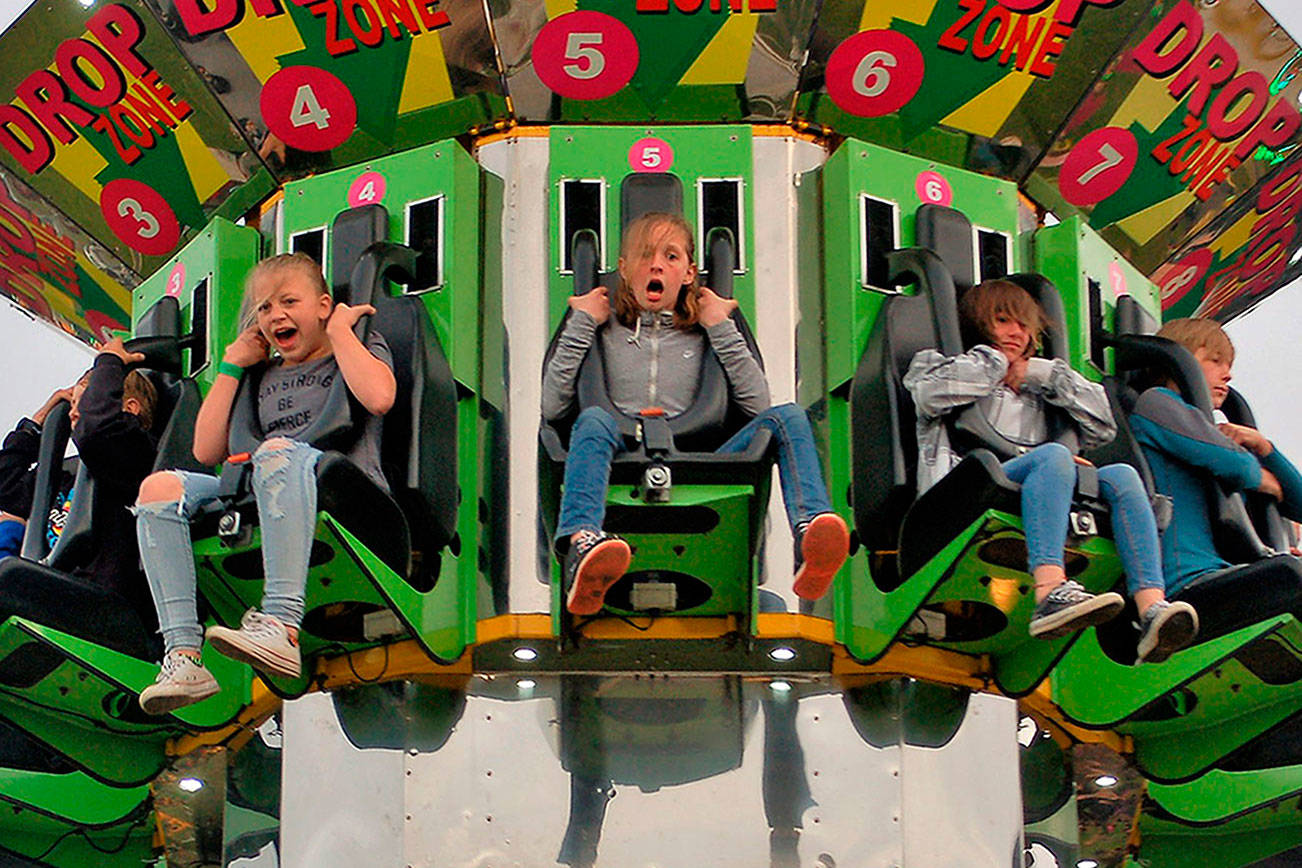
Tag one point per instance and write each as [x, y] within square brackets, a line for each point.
[633, 771]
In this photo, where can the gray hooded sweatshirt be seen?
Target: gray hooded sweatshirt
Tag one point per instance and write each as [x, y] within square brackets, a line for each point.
[652, 364]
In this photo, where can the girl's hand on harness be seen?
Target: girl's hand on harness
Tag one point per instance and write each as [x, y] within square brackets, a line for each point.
[344, 317]
[247, 349]
[711, 309]
[595, 303]
[115, 347]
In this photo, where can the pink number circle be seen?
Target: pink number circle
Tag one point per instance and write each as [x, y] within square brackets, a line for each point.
[1175, 279]
[650, 155]
[1117, 278]
[175, 280]
[308, 108]
[140, 216]
[874, 73]
[367, 189]
[1098, 165]
[933, 188]
[585, 55]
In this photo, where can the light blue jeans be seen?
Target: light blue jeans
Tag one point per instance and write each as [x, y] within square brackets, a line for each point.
[595, 439]
[284, 483]
[1047, 475]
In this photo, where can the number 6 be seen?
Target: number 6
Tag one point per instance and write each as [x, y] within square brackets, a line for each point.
[875, 65]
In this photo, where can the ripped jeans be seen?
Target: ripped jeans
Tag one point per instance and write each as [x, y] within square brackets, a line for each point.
[284, 483]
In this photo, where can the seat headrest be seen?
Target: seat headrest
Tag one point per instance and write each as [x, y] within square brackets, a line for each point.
[644, 192]
[948, 233]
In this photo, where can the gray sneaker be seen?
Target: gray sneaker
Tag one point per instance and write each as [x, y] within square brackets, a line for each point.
[1069, 607]
[183, 680]
[263, 642]
[1167, 627]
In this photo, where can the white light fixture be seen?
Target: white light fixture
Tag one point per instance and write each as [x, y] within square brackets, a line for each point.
[190, 785]
[1087, 863]
[780, 686]
[782, 654]
[1297, 254]
[526, 684]
[524, 654]
[1105, 781]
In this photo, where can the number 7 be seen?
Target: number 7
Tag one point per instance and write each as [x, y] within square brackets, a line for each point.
[1111, 157]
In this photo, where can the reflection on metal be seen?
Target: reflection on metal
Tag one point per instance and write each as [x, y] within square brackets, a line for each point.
[188, 799]
[1107, 811]
[646, 770]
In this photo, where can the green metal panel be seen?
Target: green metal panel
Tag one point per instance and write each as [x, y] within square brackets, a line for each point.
[71, 821]
[975, 600]
[1074, 256]
[858, 169]
[603, 153]
[1186, 713]
[442, 169]
[83, 701]
[222, 254]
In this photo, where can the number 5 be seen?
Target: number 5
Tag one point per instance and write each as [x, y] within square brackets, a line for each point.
[579, 46]
[1111, 157]
[651, 156]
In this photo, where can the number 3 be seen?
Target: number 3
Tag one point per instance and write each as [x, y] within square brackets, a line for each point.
[875, 65]
[148, 222]
[579, 46]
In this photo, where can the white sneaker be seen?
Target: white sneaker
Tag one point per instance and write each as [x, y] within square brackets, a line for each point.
[181, 681]
[263, 642]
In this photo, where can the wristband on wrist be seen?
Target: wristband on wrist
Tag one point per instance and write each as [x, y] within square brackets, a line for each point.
[230, 369]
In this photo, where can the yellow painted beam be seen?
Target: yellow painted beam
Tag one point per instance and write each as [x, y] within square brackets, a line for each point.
[725, 59]
[426, 82]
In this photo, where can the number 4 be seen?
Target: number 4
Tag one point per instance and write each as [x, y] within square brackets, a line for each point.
[307, 110]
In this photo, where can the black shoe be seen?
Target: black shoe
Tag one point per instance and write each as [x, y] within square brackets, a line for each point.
[1167, 627]
[1069, 608]
[595, 561]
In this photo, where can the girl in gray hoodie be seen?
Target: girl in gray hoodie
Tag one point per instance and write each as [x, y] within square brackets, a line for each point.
[663, 321]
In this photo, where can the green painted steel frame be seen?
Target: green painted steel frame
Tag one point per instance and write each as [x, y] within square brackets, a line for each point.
[1231, 704]
[86, 705]
[222, 253]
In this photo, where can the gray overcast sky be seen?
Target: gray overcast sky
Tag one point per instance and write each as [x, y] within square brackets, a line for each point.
[36, 359]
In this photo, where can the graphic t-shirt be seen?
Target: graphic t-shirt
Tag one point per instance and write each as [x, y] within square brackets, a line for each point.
[291, 398]
[58, 517]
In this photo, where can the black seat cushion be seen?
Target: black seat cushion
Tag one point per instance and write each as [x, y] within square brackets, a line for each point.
[1240, 596]
[54, 599]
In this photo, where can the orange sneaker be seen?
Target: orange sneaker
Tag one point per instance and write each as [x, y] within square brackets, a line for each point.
[595, 562]
[822, 545]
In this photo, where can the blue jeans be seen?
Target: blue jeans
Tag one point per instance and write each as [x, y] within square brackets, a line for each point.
[1047, 475]
[595, 439]
[284, 483]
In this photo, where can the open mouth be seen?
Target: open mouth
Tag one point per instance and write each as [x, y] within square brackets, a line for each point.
[284, 336]
[655, 290]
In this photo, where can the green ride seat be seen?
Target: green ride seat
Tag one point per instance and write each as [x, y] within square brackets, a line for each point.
[949, 568]
[374, 566]
[1226, 819]
[701, 540]
[52, 814]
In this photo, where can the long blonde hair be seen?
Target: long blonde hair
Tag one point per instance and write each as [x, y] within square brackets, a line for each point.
[980, 305]
[640, 239]
[277, 269]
